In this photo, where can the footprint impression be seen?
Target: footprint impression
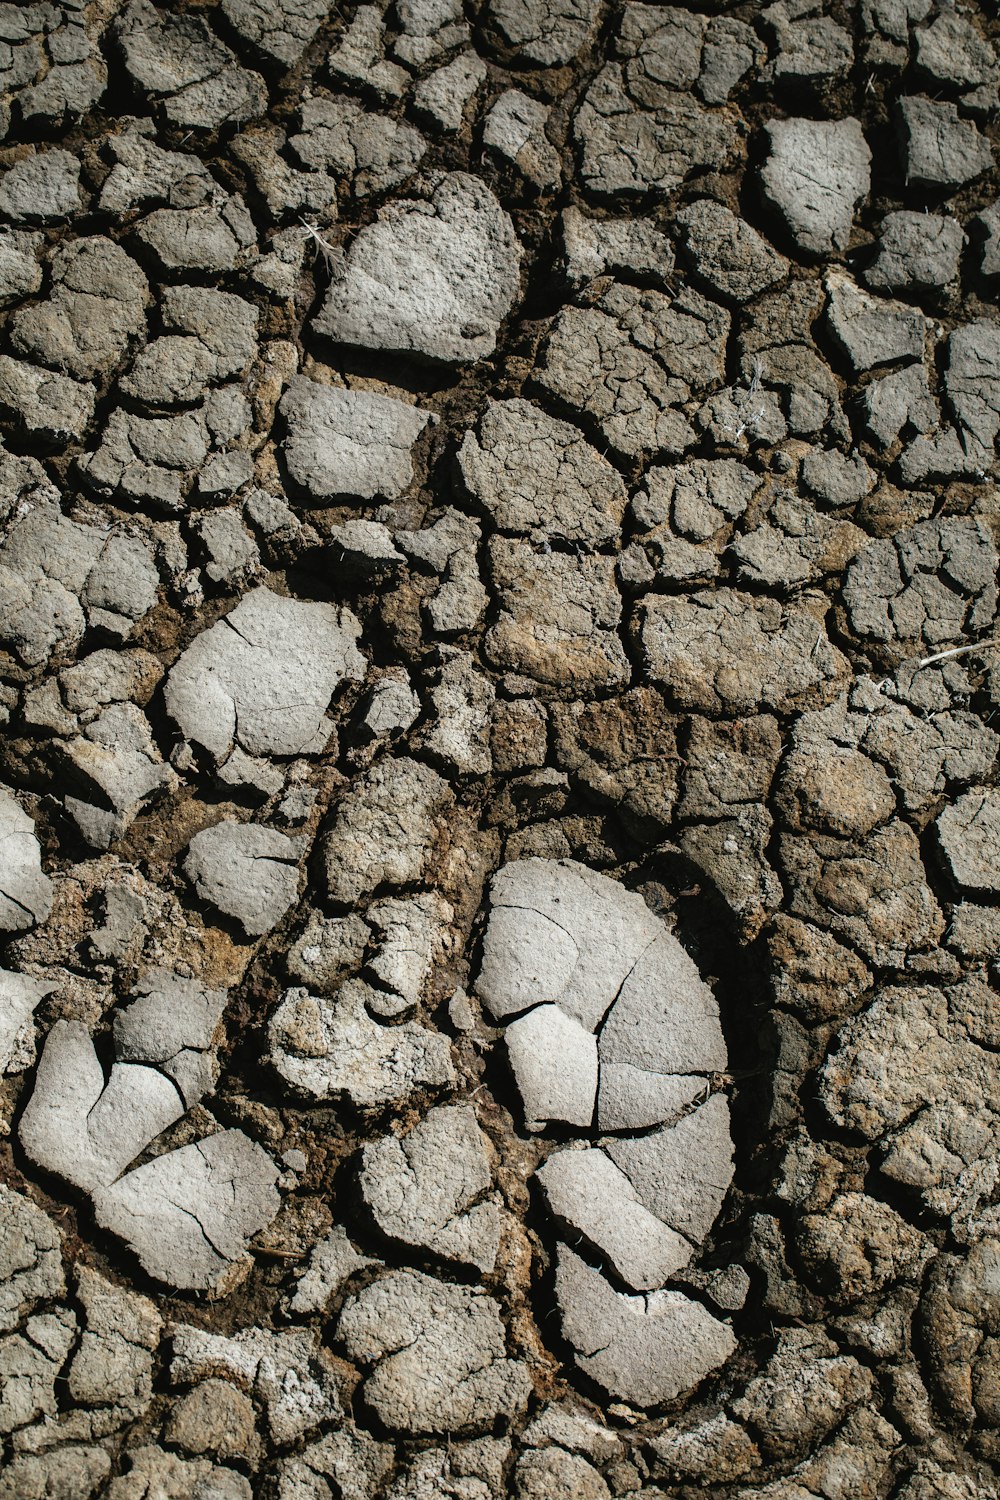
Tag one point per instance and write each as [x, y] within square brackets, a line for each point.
[189, 1214]
[615, 1046]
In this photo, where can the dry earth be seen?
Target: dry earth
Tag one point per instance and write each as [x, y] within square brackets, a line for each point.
[501, 916]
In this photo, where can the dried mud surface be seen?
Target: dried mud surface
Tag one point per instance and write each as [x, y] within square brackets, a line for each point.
[500, 913]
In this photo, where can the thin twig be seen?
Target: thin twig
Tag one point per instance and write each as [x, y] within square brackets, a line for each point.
[926, 661]
[321, 246]
[745, 418]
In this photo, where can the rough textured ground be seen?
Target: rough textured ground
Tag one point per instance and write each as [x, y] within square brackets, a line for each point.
[501, 919]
